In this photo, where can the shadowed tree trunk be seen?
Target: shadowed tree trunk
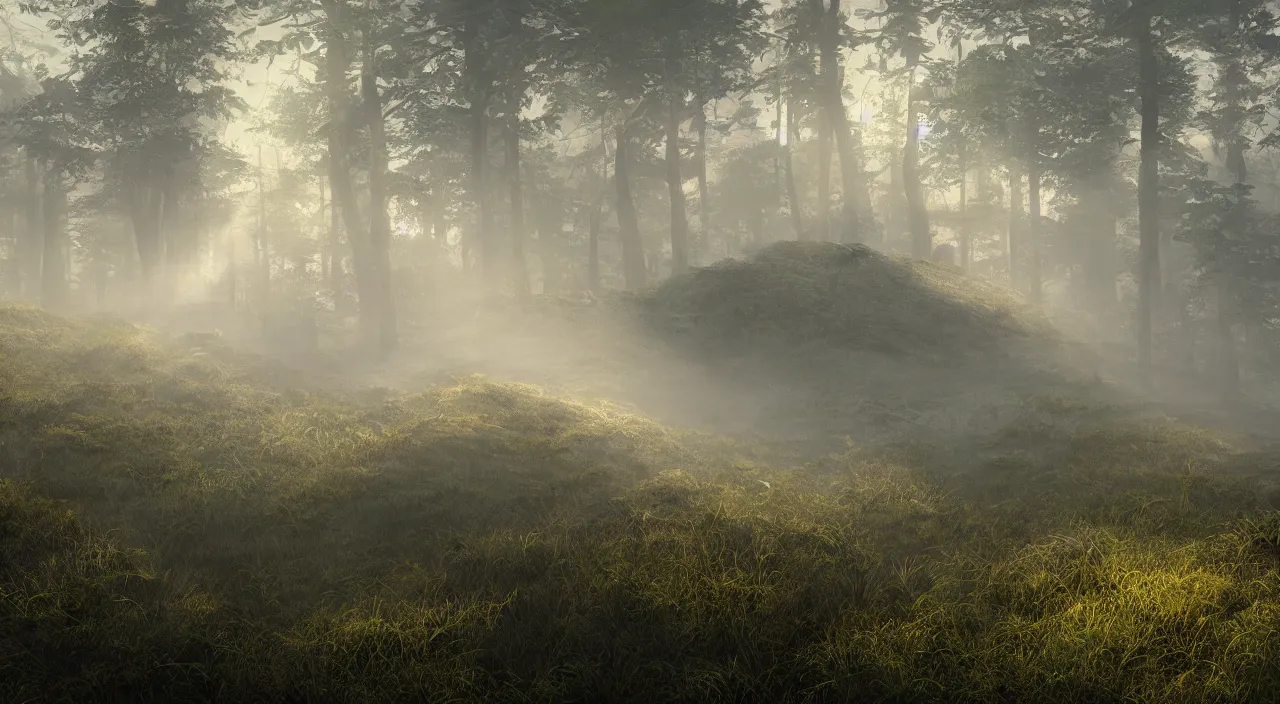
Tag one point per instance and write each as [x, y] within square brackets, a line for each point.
[593, 244]
[263, 250]
[1229, 357]
[1013, 241]
[53, 275]
[855, 199]
[32, 248]
[337, 60]
[704, 189]
[779, 136]
[966, 236]
[675, 182]
[145, 208]
[1099, 260]
[635, 272]
[475, 68]
[440, 213]
[824, 180]
[335, 240]
[519, 264]
[379, 221]
[1034, 224]
[327, 251]
[1148, 186]
[597, 209]
[550, 230]
[793, 192]
[917, 211]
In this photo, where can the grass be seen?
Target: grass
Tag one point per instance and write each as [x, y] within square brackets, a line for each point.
[852, 298]
[177, 525]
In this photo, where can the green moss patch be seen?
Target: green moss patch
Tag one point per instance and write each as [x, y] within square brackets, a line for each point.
[174, 529]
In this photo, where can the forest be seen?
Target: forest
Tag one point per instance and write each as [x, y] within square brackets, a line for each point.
[640, 350]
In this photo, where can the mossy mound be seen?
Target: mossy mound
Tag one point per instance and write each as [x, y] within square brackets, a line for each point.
[486, 542]
[803, 293]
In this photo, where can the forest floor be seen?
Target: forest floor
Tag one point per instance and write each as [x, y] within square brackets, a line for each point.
[820, 475]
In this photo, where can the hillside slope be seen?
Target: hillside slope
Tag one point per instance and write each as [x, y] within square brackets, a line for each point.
[486, 541]
[849, 298]
[815, 343]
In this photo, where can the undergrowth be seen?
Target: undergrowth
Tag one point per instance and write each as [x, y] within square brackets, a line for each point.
[172, 529]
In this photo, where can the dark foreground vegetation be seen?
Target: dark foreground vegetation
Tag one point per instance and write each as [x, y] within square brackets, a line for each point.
[176, 527]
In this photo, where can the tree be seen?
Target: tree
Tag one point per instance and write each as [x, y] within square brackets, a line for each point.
[334, 36]
[147, 77]
[52, 133]
[1153, 29]
[1225, 225]
[901, 34]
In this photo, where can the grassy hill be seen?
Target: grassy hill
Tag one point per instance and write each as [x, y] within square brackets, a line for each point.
[177, 524]
[851, 298]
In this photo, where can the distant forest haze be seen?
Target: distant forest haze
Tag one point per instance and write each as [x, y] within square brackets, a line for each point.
[313, 163]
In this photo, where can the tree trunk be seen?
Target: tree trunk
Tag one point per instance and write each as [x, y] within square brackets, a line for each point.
[593, 245]
[519, 265]
[53, 275]
[704, 189]
[337, 59]
[326, 246]
[145, 209]
[440, 216]
[966, 238]
[779, 136]
[379, 222]
[1228, 357]
[634, 268]
[233, 273]
[550, 231]
[896, 233]
[480, 85]
[32, 247]
[181, 240]
[1148, 188]
[824, 179]
[793, 192]
[597, 208]
[917, 212]
[1013, 242]
[855, 199]
[1100, 240]
[336, 255]
[1034, 235]
[264, 247]
[675, 183]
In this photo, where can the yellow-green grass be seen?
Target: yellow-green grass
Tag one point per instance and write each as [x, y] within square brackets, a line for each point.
[486, 542]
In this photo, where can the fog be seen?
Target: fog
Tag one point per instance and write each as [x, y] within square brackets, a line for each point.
[604, 350]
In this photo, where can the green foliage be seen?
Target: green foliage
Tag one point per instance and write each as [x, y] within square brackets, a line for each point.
[1235, 246]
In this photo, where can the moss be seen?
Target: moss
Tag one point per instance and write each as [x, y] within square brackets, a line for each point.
[847, 297]
[173, 528]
